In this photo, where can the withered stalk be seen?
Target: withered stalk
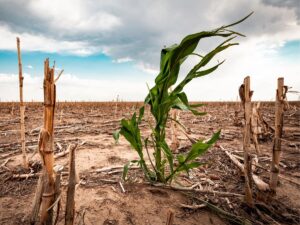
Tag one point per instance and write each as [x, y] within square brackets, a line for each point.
[279, 109]
[22, 107]
[246, 94]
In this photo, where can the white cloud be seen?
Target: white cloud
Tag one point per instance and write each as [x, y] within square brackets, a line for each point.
[123, 60]
[29, 67]
[247, 59]
[148, 68]
[31, 42]
[138, 32]
[73, 16]
[72, 88]
[9, 87]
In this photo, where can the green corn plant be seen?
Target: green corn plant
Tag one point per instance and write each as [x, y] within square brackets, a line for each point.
[161, 101]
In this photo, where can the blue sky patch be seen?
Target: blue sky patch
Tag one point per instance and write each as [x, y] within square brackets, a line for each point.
[97, 66]
[290, 50]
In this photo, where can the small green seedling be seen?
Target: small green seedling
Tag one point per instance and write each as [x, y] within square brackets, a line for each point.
[116, 136]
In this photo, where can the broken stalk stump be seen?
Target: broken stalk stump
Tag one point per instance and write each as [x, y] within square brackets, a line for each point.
[70, 204]
[34, 216]
[246, 94]
[46, 144]
[57, 204]
[279, 108]
[22, 107]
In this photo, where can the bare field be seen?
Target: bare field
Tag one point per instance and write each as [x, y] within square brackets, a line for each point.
[99, 196]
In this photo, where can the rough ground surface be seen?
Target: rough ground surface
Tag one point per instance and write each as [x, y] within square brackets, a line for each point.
[99, 196]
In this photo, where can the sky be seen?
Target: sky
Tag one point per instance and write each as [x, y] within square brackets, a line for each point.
[111, 49]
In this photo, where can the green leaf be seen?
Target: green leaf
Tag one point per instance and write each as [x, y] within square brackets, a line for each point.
[178, 104]
[131, 132]
[196, 105]
[194, 165]
[199, 148]
[141, 114]
[197, 113]
[180, 159]
[196, 150]
[189, 166]
[214, 138]
[208, 71]
[116, 136]
[239, 21]
[182, 103]
[127, 167]
[193, 72]
[125, 171]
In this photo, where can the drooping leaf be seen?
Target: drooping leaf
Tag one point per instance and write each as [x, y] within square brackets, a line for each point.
[182, 103]
[131, 131]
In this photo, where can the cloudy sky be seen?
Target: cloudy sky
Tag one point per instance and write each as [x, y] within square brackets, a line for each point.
[111, 48]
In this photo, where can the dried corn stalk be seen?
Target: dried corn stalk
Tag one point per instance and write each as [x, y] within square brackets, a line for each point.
[46, 144]
[259, 127]
[70, 204]
[22, 107]
[280, 106]
[256, 128]
[245, 95]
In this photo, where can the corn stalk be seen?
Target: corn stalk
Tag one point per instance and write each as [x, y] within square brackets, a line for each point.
[279, 109]
[246, 94]
[46, 143]
[70, 204]
[161, 101]
[22, 107]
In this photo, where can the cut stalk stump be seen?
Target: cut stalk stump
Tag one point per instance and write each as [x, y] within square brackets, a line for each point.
[245, 95]
[70, 204]
[279, 109]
